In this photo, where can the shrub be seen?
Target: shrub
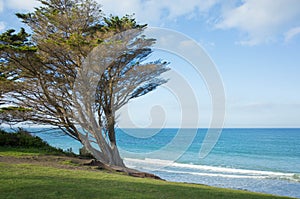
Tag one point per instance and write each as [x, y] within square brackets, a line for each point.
[23, 139]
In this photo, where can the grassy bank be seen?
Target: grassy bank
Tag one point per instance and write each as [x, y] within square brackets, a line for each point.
[34, 179]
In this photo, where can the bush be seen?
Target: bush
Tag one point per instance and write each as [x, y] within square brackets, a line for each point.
[23, 139]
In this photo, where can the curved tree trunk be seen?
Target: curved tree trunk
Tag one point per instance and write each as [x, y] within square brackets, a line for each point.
[108, 154]
[117, 160]
[113, 158]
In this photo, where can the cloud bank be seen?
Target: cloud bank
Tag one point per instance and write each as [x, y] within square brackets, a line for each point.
[289, 35]
[157, 11]
[261, 21]
[27, 5]
[255, 21]
[1, 5]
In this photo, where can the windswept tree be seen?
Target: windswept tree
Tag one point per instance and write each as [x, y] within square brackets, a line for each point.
[8, 72]
[75, 71]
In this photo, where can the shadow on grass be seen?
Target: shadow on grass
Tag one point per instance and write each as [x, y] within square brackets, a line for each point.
[28, 181]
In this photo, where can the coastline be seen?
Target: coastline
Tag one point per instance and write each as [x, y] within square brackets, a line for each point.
[258, 160]
[58, 174]
[268, 182]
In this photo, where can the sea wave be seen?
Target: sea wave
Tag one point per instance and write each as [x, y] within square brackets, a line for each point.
[206, 170]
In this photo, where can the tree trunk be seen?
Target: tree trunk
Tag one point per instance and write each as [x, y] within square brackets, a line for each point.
[117, 160]
[108, 154]
[113, 158]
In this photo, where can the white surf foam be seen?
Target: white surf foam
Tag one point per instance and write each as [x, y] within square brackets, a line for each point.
[204, 170]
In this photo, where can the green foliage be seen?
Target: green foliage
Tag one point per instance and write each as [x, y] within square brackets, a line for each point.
[23, 139]
[10, 73]
[19, 40]
[19, 152]
[117, 24]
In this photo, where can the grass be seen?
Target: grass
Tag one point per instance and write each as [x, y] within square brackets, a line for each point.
[19, 151]
[34, 181]
[38, 181]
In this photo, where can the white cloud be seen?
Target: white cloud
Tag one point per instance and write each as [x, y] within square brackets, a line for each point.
[27, 5]
[156, 11]
[292, 33]
[2, 25]
[261, 21]
[1, 6]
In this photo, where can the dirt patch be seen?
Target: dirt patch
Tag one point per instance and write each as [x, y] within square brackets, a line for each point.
[74, 163]
[64, 162]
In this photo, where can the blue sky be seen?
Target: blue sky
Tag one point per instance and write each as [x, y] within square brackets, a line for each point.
[255, 45]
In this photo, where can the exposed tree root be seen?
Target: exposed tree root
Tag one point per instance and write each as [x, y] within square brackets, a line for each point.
[128, 171]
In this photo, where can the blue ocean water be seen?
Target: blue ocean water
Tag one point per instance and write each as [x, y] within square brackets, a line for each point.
[260, 160]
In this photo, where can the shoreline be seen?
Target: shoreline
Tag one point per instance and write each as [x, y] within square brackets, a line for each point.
[213, 172]
[259, 181]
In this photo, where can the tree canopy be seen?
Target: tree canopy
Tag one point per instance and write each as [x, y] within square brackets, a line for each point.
[39, 72]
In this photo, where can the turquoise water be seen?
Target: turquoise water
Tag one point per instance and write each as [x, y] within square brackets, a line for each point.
[260, 160]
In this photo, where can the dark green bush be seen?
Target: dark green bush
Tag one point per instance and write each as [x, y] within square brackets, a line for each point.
[24, 139]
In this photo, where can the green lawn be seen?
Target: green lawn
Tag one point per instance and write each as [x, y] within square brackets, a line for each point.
[37, 181]
[18, 151]
[46, 172]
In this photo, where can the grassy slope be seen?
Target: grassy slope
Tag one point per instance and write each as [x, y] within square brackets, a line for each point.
[37, 181]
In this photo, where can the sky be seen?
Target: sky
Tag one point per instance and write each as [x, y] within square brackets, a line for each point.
[254, 45]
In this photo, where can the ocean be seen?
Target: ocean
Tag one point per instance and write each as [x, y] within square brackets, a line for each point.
[258, 160]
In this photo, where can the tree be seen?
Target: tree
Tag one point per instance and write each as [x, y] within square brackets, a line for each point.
[8, 73]
[52, 71]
